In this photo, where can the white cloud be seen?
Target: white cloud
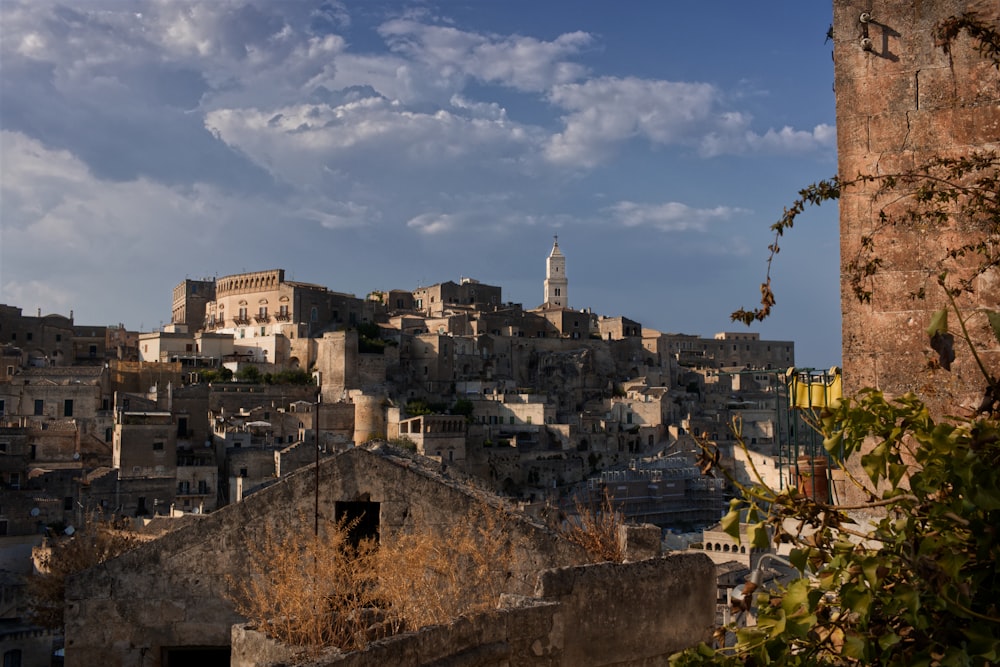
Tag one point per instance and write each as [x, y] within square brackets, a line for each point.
[434, 223]
[297, 144]
[67, 233]
[606, 111]
[787, 140]
[670, 216]
[523, 63]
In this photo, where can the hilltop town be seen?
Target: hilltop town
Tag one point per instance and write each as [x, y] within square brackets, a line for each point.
[256, 373]
[256, 376]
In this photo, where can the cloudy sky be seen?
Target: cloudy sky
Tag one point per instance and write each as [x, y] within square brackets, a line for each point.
[371, 145]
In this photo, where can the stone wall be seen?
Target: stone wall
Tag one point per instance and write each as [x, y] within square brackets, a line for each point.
[636, 614]
[172, 592]
[898, 104]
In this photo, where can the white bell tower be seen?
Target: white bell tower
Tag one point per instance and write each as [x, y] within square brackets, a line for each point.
[556, 283]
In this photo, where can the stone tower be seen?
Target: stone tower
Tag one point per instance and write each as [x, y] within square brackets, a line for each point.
[901, 100]
[556, 283]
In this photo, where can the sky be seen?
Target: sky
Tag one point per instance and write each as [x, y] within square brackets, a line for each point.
[375, 145]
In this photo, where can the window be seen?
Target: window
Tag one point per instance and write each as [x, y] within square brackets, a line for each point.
[14, 480]
[202, 487]
[39, 406]
[93, 351]
[68, 503]
[157, 446]
[243, 472]
[2, 405]
[12, 658]
[68, 407]
[243, 313]
[558, 292]
[34, 452]
[58, 338]
[3, 447]
[3, 528]
[29, 335]
[262, 313]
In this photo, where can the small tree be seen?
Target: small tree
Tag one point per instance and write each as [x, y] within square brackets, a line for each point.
[93, 543]
[595, 529]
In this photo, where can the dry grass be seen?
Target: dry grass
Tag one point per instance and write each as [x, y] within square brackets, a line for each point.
[428, 578]
[596, 530]
[308, 590]
[321, 591]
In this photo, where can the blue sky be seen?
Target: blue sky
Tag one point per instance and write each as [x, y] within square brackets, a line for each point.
[381, 145]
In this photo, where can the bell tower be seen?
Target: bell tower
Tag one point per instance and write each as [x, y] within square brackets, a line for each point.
[556, 283]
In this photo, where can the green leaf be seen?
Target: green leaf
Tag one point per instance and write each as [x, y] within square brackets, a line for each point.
[799, 558]
[731, 524]
[994, 318]
[855, 646]
[796, 595]
[759, 538]
[983, 643]
[939, 323]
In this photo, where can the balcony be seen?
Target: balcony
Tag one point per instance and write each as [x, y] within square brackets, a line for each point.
[262, 318]
[283, 317]
[241, 321]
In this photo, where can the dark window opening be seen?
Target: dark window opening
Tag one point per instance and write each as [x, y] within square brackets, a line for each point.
[199, 656]
[363, 515]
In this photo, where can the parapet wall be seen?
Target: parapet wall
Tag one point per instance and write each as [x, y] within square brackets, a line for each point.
[631, 615]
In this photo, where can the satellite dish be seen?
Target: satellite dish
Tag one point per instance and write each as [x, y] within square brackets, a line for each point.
[76, 456]
[35, 511]
[70, 530]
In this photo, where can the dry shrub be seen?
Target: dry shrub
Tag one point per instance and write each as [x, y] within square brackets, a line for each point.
[320, 591]
[96, 541]
[428, 579]
[309, 590]
[596, 530]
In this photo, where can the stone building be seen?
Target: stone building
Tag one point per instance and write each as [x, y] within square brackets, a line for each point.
[191, 299]
[166, 601]
[902, 100]
[263, 303]
[42, 341]
[467, 294]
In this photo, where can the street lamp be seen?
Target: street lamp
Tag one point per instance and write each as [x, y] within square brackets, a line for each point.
[757, 576]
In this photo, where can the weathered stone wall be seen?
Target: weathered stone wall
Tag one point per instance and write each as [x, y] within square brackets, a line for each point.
[636, 614]
[172, 592]
[899, 104]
